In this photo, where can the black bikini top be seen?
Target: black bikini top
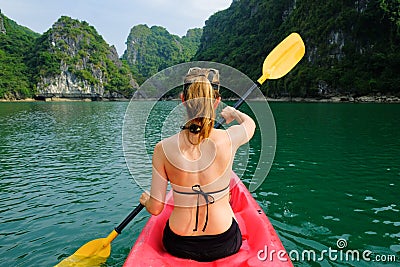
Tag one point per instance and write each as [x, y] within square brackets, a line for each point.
[207, 197]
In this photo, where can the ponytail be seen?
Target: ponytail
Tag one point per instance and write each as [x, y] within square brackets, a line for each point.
[199, 98]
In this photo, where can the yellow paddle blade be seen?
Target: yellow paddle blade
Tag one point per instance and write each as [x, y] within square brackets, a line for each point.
[78, 261]
[92, 253]
[283, 58]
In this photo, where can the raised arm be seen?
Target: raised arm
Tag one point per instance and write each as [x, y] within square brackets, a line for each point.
[242, 133]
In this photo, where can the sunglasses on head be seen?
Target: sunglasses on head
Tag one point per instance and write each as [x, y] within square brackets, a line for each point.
[211, 74]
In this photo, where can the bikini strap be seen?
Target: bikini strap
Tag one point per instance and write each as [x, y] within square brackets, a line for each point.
[207, 197]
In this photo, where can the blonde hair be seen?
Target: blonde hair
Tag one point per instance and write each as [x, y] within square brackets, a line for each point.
[199, 96]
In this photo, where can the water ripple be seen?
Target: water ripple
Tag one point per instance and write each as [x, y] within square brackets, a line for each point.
[61, 170]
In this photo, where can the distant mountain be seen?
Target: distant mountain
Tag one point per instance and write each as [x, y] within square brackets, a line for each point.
[150, 50]
[15, 43]
[72, 60]
[352, 47]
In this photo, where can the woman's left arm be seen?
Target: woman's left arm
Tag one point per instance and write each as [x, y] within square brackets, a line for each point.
[154, 202]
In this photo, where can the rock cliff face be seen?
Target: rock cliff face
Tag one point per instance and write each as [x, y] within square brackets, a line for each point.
[72, 60]
[2, 28]
[69, 85]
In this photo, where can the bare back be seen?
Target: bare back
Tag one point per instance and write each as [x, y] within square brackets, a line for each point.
[208, 165]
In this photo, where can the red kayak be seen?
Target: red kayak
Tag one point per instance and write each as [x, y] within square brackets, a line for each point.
[261, 245]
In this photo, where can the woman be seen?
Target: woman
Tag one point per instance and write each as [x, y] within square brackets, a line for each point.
[197, 162]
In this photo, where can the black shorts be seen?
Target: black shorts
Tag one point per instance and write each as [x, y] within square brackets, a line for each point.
[203, 248]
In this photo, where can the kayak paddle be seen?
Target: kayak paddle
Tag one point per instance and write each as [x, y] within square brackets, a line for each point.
[97, 251]
[277, 64]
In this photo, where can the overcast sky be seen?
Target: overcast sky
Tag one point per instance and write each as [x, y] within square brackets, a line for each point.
[113, 19]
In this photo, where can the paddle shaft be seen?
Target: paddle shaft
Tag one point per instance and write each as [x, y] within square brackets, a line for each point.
[139, 207]
[128, 219]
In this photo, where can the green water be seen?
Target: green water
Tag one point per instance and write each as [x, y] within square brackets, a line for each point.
[64, 180]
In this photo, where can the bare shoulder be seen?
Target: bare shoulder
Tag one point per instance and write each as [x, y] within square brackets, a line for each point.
[169, 140]
[158, 147]
[220, 136]
[166, 145]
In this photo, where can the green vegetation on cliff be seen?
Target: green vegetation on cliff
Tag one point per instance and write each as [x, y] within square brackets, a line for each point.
[352, 47]
[15, 42]
[150, 50]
